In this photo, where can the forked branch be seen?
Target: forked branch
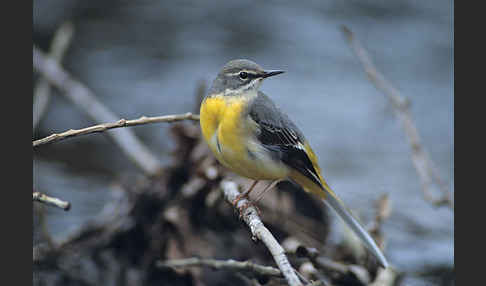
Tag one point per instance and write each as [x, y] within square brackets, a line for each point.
[423, 164]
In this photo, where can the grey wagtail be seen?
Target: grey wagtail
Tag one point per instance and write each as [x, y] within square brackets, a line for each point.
[252, 137]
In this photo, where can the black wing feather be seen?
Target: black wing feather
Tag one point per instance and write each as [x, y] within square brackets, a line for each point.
[281, 136]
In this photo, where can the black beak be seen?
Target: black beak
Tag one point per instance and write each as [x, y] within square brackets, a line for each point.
[271, 73]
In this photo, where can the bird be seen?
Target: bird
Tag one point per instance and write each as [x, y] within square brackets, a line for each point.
[251, 136]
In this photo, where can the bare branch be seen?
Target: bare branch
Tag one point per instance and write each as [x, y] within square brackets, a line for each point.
[39, 197]
[223, 264]
[120, 123]
[420, 157]
[260, 232]
[42, 90]
[85, 99]
[383, 211]
[330, 266]
[321, 261]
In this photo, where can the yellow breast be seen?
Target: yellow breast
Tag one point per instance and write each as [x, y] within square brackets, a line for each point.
[230, 135]
[211, 113]
[221, 124]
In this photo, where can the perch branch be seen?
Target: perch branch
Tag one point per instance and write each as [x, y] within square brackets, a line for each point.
[42, 91]
[39, 197]
[260, 232]
[85, 99]
[120, 123]
[223, 264]
[425, 167]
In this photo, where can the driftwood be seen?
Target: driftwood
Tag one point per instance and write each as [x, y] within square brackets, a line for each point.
[152, 222]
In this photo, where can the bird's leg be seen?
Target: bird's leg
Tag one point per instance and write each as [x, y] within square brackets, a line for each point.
[268, 187]
[249, 203]
[245, 194]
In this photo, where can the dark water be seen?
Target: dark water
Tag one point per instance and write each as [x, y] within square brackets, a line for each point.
[146, 57]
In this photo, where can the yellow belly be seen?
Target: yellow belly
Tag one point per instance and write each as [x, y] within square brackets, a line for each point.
[231, 138]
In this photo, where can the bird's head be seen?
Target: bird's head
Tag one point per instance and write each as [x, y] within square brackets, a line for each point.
[239, 76]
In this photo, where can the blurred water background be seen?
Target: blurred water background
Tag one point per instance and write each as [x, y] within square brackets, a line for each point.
[146, 58]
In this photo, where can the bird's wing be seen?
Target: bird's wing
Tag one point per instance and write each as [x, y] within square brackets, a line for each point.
[282, 138]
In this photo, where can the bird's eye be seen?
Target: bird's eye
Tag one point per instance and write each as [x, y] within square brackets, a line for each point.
[243, 75]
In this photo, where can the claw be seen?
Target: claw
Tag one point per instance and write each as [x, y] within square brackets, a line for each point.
[245, 195]
[238, 198]
[246, 205]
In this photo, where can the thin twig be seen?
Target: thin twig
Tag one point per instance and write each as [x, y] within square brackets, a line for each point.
[248, 281]
[42, 90]
[420, 157]
[330, 266]
[120, 123]
[260, 232]
[39, 197]
[383, 211]
[85, 99]
[223, 264]
[321, 261]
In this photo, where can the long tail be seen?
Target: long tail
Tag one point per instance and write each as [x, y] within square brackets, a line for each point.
[331, 199]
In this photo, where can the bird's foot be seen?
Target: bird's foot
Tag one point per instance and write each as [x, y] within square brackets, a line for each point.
[238, 198]
[248, 203]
